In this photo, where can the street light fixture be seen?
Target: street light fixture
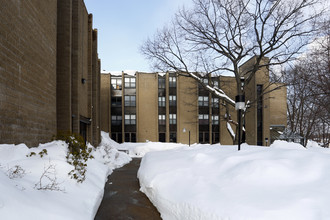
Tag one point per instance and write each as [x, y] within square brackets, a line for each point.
[239, 105]
[184, 131]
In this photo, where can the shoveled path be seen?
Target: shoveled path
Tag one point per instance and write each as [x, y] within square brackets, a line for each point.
[122, 198]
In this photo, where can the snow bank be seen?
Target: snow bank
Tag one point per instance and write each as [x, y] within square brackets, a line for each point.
[108, 153]
[283, 181]
[287, 145]
[140, 149]
[21, 176]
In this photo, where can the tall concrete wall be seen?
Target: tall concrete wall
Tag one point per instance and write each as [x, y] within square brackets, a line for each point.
[96, 84]
[261, 77]
[229, 86]
[278, 105]
[49, 71]
[187, 110]
[105, 102]
[78, 71]
[79, 63]
[64, 50]
[147, 107]
[27, 71]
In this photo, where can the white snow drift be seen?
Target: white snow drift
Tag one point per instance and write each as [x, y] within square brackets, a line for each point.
[284, 181]
[21, 177]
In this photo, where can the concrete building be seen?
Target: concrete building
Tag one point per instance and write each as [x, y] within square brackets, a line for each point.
[49, 71]
[78, 72]
[171, 107]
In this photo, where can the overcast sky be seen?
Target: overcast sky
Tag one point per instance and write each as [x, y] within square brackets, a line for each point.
[123, 25]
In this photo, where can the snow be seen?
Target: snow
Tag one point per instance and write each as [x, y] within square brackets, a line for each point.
[283, 181]
[119, 73]
[232, 133]
[20, 177]
[220, 93]
[138, 150]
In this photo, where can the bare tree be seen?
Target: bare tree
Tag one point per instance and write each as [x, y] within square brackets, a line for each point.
[218, 36]
[309, 91]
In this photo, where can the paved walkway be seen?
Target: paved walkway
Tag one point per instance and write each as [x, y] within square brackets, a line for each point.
[122, 198]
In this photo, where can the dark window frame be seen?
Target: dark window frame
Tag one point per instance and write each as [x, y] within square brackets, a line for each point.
[116, 120]
[203, 119]
[162, 119]
[172, 100]
[116, 101]
[259, 115]
[172, 119]
[172, 81]
[215, 102]
[117, 83]
[130, 82]
[161, 83]
[161, 101]
[130, 100]
[130, 119]
[203, 101]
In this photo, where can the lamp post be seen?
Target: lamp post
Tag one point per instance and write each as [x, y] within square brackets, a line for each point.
[239, 105]
[184, 131]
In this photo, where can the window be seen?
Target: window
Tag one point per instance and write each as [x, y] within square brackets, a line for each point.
[161, 101]
[162, 137]
[127, 137]
[215, 102]
[203, 119]
[172, 119]
[173, 137]
[215, 119]
[130, 100]
[259, 115]
[116, 83]
[204, 137]
[205, 81]
[129, 82]
[117, 137]
[161, 119]
[215, 83]
[116, 101]
[215, 138]
[130, 137]
[130, 119]
[203, 101]
[172, 81]
[116, 120]
[172, 99]
[161, 83]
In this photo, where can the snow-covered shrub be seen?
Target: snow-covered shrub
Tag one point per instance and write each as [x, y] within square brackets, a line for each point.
[15, 172]
[41, 153]
[77, 155]
[48, 179]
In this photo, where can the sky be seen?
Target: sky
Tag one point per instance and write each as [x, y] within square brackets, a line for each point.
[123, 26]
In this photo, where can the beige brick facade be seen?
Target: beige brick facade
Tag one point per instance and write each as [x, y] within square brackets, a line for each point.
[168, 107]
[49, 71]
[27, 71]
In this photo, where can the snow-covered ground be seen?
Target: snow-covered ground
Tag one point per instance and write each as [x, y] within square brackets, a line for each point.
[140, 149]
[21, 180]
[284, 181]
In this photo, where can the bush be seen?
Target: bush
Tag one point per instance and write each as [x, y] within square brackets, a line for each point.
[41, 153]
[78, 154]
[15, 172]
[48, 179]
